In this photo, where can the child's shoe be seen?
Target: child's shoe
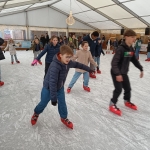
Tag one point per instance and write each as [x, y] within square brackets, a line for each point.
[68, 90]
[12, 63]
[92, 75]
[67, 123]
[1, 83]
[115, 110]
[18, 62]
[130, 105]
[98, 71]
[86, 88]
[34, 119]
[40, 62]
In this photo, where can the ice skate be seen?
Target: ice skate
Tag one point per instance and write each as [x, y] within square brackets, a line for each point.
[67, 123]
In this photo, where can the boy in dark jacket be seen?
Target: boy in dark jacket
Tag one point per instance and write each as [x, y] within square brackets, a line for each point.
[53, 85]
[148, 51]
[119, 69]
[1, 58]
[92, 41]
[98, 52]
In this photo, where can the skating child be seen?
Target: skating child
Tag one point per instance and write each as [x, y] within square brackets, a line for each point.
[119, 69]
[108, 46]
[1, 58]
[11, 47]
[98, 52]
[53, 86]
[36, 47]
[83, 56]
[148, 51]
[51, 50]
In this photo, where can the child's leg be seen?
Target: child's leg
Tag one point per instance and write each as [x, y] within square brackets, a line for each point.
[86, 79]
[126, 87]
[74, 79]
[117, 91]
[12, 59]
[148, 55]
[98, 61]
[16, 57]
[62, 107]
[35, 54]
[45, 98]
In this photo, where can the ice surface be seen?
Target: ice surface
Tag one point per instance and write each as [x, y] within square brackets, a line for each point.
[95, 128]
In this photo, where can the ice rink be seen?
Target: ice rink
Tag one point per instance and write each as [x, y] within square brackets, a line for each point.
[95, 128]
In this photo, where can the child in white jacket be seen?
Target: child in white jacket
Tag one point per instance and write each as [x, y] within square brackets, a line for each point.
[11, 47]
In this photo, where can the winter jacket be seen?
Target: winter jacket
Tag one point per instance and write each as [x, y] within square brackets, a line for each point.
[99, 50]
[148, 47]
[138, 44]
[92, 43]
[33, 47]
[43, 40]
[120, 62]
[51, 51]
[57, 74]
[11, 48]
[75, 43]
[115, 43]
[1, 53]
[84, 57]
[47, 38]
[71, 45]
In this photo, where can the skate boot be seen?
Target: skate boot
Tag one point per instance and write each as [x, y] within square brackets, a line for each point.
[12, 63]
[1, 83]
[34, 119]
[67, 123]
[115, 110]
[92, 75]
[130, 105]
[18, 62]
[68, 90]
[86, 88]
[98, 71]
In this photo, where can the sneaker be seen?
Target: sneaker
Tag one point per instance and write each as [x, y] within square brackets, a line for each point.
[34, 119]
[115, 110]
[92, 75]
[40, 62]
[130, 105]
[98, 71]
[68, 90]
[67, 123]
[86, 88]
[18, 62]
[1, 83]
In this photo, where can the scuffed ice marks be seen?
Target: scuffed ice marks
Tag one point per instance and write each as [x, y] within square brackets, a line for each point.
[95, 128]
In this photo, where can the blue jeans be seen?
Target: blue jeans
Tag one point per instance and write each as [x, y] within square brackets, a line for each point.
[148, 55]
[77, 75]
[12, 59]
[137, 52]
[46, 97]
[97, 60]
[74, 51]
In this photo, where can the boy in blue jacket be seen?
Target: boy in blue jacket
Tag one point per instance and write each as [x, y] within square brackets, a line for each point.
[53, 85]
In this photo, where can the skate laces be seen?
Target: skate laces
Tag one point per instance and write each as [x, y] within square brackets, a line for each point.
[35, 117]
[131, 104]
[67, 121]
[116, 107]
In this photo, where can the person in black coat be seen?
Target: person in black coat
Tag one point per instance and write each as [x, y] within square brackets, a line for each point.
[98, 52]
[1, 58]
[47, 38]
[43, 40]
[53, 85]
[148, 51]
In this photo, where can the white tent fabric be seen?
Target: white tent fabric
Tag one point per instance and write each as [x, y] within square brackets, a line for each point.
[101, 14]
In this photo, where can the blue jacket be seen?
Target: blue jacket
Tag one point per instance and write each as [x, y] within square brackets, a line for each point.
[99, 50]
[57, 74]
[92, 44]
[51, 51]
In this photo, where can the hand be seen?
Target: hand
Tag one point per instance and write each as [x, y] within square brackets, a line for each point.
[35, 61]
[119, 78]
[91, 71]
[54, 103]
[142, 74]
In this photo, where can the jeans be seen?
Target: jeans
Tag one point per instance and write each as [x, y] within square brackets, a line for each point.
[12, 59]
[0, 72]
[74, 51]
[148, 55]
[36, 53]
[46, 97]
[77, 75]
[97, 60]
[137, 52]
[125, 84]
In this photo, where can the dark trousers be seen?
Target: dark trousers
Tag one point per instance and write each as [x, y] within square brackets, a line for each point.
[46, 68]
[118, 88]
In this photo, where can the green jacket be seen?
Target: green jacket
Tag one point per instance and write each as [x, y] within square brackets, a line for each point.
[138, 44]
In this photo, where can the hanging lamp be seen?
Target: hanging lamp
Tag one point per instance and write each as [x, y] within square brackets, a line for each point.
[70, 20]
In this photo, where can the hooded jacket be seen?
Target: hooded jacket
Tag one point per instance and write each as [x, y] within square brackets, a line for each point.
[121, 60]
[57, 74]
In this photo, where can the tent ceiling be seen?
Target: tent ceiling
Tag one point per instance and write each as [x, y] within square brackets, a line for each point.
[104, 14]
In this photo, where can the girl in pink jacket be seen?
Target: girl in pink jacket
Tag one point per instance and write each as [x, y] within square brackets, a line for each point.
[82, 56]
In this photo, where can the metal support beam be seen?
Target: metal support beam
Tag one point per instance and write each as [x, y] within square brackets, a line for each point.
[27, 25]
[101, 13]
[131, 12]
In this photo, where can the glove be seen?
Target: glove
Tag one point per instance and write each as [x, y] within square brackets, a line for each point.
[54, 103]
[35, 61]
[91, 71]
